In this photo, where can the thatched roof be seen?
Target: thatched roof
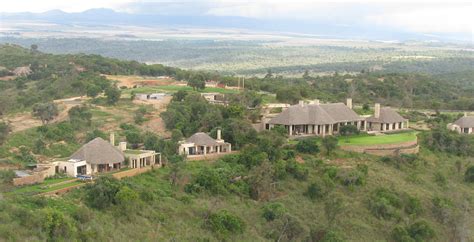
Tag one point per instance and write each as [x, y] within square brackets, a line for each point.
[22, 71]
[99, 151]
[201, 139]
[387, 115]
[465, 122]
[316, 114]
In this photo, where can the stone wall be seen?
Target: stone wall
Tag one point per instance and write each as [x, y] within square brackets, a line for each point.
[409, 147]
[131, 172]
[28, 180]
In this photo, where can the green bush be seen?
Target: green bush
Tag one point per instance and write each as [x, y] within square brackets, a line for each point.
[6, 176]
[400, 234]
[308, 146]
[315, 191]
[272, 211]
[297, 170]
[469, 175]
[442, 208]
[324, 235]
[421, 231]
[413, 206]
[225, 223]
[384, 203]
[101, 194]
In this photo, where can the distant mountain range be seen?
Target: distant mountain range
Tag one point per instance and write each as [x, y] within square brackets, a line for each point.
[323, 29]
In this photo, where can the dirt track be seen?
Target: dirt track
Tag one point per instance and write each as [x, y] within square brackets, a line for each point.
[25, 121]
[155, 122]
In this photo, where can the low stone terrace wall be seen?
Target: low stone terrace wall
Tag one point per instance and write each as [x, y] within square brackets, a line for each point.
[409, 147]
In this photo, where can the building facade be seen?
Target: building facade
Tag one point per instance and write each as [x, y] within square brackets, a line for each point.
[464, 125]
[386, 120]
[201, 144]
[317, 119]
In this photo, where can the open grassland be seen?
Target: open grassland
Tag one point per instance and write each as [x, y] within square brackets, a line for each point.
[48, 185]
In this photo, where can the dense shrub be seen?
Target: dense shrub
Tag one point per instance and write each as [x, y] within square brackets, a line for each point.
[442, 208]
[102, 193]
[421, 231]
[309, 146]
[6, 176]
[274, 210]
[315, 191]
[469, 175]
[384, 203]
[413, 206]
[297, 170]
[225, 223]
[324, 235]
[220, 179]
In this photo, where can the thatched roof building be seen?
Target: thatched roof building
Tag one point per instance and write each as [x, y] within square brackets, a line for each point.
[99, 151]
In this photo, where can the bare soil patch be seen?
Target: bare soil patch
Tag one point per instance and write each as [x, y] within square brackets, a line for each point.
[155, 123]
[132, 81]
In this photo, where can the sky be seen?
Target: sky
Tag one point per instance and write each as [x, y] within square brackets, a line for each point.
[422, 16]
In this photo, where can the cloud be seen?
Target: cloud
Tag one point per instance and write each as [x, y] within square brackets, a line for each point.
[423, 16]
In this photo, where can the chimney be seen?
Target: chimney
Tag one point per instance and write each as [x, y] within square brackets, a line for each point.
[301, 102]
[219, 134]
[349, 103]
[377, 110]
[112, 138]
[122, 146]
[465, 114]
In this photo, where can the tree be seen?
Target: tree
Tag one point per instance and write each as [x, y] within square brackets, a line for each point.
[80, 116]
[306, 75]
[101, 194]
[4, 131]
[45, 111]
[139, 116]
[260, 181]
[113, 95]
[93, 90]
[307, 146]
[329, 143]
[127, 201]
[177, 164]
[197, 81]
[34, 48]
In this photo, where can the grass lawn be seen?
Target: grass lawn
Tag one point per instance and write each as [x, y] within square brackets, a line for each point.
[380, 139]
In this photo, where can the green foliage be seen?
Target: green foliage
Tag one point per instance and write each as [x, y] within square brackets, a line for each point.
[56, 224]
[225, 223]
[128, 201]
[102, 193]
[334, 206]
[273, 210]
[6, 176]
[297, 170]
[350, 129]
[442, 209]
[219, 179]
[45, 111]
[308, 146]
[384, 203]
[139, 116]
[329, 143]
[4, 131]
[94, 134]
[413, 206]
[113, 95]
[197, 81]
[80, 116]
[469, 175]
[443, 140]
[416, 232]
[315, 190]
[324, 235]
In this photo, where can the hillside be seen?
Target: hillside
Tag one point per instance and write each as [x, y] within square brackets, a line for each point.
[272, 188]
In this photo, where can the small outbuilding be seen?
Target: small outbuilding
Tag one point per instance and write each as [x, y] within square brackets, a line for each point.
[386, 119]
[464, 125]
[202, 144]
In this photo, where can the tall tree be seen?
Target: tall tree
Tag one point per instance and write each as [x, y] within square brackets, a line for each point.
[197, 81]
[45, 111]
[113, 95]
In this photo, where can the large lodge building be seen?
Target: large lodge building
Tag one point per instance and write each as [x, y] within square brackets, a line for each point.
[315, 118]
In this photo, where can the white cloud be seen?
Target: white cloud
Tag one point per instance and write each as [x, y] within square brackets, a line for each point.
[438, 19]
[428, 16]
